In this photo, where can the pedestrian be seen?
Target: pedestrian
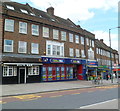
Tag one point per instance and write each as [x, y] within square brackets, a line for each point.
[114, 75]
[106, 76]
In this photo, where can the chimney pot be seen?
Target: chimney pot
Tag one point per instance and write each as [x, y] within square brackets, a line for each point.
[101, 40]
[50, 10]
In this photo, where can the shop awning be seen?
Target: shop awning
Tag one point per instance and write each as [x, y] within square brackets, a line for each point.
[23, 64]
[116, 69]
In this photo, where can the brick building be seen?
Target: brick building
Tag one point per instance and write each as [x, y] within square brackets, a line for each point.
[40, 46]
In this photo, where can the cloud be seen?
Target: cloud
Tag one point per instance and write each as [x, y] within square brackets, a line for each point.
[76, 9]
[105, 36]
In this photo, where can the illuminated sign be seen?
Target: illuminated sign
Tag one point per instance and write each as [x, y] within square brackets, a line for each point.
[76, 61]
[55, 60]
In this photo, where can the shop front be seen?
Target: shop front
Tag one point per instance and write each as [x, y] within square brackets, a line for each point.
[56, 69]
[91, 69]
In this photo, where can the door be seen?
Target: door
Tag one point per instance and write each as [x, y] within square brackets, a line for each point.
[22, 75]
[79, 72]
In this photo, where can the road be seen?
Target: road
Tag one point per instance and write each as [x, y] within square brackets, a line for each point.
[86, 98]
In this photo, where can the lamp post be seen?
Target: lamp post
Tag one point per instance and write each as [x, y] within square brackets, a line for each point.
[111, 54]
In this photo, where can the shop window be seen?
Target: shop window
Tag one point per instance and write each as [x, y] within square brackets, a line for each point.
[63, 35]
[62, 72]
[8, 45]
[55, 34]
[46, 32]
[49, 73]
[9, 25]
[70, 37]
[35, 30]
[34, 48]
[22, 47]
[34, 70]
[9, 71]
[23, 27]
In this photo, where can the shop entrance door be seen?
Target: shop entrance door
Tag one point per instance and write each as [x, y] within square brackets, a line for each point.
[22, 78]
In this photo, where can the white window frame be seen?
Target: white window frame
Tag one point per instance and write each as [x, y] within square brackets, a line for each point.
[55, 34]
[7, 72]
[71, 37]
[77, 39]
[63, 35]
[35, 31]
[23, 47]
[23, 29]
[32, 69]
[46, 32]
[71, 52]
[77, 52]
[24, 11]
[9, 25]
[10, 7]
[87, 40]
[34, 50]
[55, 45]
[82, 40]
[83, 53]
[8, 46]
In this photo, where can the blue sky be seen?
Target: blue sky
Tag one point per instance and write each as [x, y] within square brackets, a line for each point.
[96, 16]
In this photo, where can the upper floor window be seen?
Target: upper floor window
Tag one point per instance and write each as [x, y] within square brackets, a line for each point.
[82, 40]
[76, 39]
[10, 7]
[46, 32]
[82, 53]
[92, 43]
[87, 41]
[22, 47]
[9, 25]
[71, 52]
[35, 29]
[24, 11]
[70, 37]
[34, 48]
[23, 27]
[55, 34]
[63, 35]
[8, 45]
[54, 48]
[77, 53]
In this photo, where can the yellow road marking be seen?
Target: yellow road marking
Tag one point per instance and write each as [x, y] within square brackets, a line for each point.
[1, 102]
[55, 96]
[27, 96]
[75, 93]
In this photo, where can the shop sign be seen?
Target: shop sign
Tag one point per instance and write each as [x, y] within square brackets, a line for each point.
[55, 60]
[76, 61]
[92, 63]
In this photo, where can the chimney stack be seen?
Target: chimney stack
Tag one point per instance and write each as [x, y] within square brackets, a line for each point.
[101, 40]
[50, 10]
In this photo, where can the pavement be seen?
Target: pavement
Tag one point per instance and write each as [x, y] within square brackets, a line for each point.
[30, 88]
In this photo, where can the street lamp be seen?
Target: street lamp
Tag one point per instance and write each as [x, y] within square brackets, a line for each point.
[111, 54]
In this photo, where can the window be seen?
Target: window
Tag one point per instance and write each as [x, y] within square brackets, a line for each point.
[55, 34]
[9, 71]
[8, 45]
[9, 25]
[91, 54]
[82, 40]
[24, 11]
[10, 7]
[32, 14]
[77, 53]
[22, 48]
[87, 41]
[55, 48]
[63, 35]
[71, 53]
[45, 32]
[35, 29]
[23, 27]
[70, 37]
[76, 39]
[34, 48]
[92, 43]
[34, 70]
[82, 53]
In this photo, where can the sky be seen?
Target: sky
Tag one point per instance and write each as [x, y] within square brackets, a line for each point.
[96, 16]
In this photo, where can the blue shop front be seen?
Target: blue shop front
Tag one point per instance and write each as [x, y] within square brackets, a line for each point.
[57, 69]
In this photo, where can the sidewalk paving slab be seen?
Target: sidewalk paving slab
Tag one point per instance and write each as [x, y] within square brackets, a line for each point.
[30, 88]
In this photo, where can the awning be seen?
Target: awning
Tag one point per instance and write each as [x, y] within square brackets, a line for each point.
[23, 64]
